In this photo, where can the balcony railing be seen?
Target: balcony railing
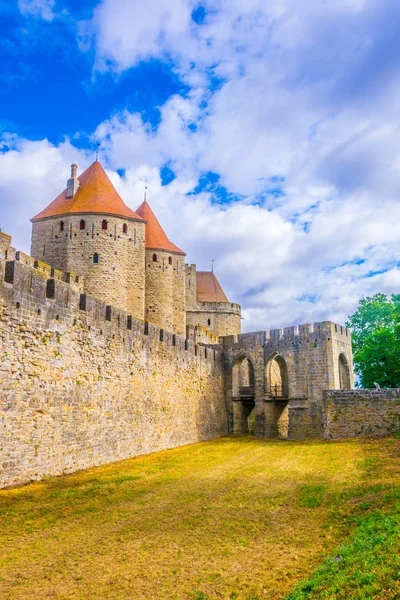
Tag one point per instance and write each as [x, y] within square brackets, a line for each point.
[279, 392]
[247, 391]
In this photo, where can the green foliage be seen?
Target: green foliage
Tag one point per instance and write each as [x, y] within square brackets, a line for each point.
[362, 567]
[376, 340]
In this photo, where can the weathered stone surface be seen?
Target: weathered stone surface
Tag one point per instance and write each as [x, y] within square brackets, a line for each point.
[165, 290]
[220, 318]
[354, 413]
[87, 387]
[118, 276]
[310, 358]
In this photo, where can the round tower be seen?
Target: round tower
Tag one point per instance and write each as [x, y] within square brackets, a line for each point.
[207, 304]
[165, 276]
[89, 230]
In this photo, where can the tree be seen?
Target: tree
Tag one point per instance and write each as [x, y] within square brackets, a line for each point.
[376, 340]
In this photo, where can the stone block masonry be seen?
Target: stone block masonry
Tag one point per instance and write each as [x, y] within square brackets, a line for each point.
[85, 384]
[290, 369]
[355, 413]
[221, 318]
[107, 254]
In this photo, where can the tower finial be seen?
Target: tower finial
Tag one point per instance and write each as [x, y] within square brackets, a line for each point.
[212, 266]
[97, 151]
[145, 193]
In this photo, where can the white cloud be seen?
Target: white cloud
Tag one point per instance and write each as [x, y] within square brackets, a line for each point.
[308, 93]
[32, 174]
[37, 8]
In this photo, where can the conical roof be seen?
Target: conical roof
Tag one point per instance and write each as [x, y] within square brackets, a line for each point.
[156, 238]
[96, 194]
[208, 288]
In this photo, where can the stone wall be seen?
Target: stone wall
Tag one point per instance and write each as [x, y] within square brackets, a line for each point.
[310, 354]
[178, 297]
[201, 335]
[221, 318]
[117, 275]
[85, 384]
[191, 287]
[354, 413]
[165, 290]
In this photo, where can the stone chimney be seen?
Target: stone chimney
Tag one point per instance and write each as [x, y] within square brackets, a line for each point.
[72, 183]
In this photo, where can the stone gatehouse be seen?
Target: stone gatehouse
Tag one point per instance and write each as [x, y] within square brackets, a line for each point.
[274, 380]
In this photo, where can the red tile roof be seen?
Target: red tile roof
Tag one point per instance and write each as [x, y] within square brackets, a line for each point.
[96, 194]
[208, 288]
[155, 235]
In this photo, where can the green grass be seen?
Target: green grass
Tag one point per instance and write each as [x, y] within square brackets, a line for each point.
[237, 518]
[366, 566]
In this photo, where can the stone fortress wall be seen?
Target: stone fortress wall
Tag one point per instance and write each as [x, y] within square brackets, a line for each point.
[106, 251]
[84, 383]
[361, 413]
[290, 373]
[290, 369]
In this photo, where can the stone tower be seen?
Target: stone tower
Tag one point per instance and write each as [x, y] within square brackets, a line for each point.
[165, 276]
[89, 230]
[207, 304]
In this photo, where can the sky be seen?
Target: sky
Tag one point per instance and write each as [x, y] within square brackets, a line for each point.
[266, 131]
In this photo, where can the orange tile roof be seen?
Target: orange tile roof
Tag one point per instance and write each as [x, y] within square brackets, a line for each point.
[208, 288]
[96, 194]
[155, 235]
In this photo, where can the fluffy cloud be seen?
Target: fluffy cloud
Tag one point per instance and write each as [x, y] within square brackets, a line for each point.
[295, 109]
[37, 8]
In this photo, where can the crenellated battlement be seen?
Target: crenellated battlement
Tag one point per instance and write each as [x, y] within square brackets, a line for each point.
[51, 299]
[298, 334]
[85, 383]
[217, 307]
[10, 255]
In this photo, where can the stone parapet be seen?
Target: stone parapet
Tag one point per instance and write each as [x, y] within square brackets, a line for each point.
[357, 413]
[84, 383]
[221, 307]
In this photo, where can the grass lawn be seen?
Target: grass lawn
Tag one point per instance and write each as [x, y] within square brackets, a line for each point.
[236, 518]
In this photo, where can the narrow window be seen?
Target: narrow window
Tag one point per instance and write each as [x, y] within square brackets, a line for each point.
[104, 224]
[209, 321]
[154, 257]
[61, 225]
[44, 250]
[170, 260]
[82, 224]
[125, 228]
[95, 258]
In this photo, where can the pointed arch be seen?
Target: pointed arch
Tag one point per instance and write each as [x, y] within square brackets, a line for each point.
[243, 376]
[243, 395]
[277, 377]
[344, 372]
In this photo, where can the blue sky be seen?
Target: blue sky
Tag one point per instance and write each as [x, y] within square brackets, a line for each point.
[266, 131]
